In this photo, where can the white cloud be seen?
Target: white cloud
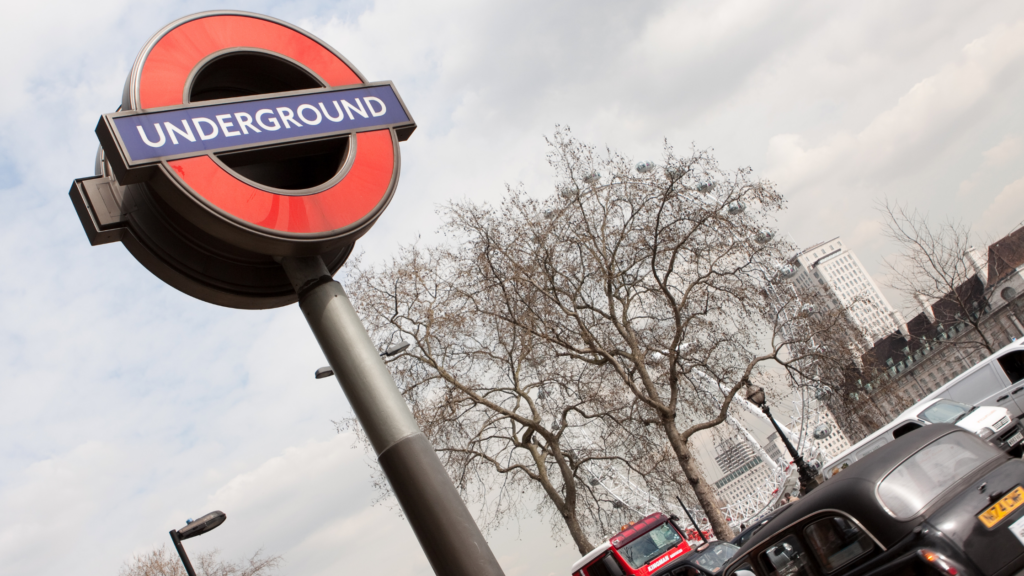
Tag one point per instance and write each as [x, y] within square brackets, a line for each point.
[920, 122]
[1009, 148]
[1006, 212]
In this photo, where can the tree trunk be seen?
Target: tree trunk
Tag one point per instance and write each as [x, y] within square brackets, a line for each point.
[701, 488]
[984, 339]
[565, 504]
[578, 536]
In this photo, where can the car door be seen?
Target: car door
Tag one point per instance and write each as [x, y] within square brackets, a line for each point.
[838, 544]
[827, 543]
[986, 386]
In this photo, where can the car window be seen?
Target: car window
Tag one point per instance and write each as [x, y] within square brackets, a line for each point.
[874, 445]
[712, 559]
[905, 429]
[785, 558]
[1013, 365]
[837, 468]
[836, 541]
[908, 489]
[944, 412]
[600, 567]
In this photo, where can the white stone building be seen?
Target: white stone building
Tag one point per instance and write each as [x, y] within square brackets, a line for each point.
[833, 270]
[745, 475]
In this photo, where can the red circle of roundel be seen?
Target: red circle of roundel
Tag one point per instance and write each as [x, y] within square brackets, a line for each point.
[161, 82]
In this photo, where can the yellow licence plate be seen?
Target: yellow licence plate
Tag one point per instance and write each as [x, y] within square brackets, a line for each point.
[1007, 504]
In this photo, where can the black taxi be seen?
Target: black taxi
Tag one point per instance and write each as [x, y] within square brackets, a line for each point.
[938, 500]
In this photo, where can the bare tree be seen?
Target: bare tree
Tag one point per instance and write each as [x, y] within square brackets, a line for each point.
[161, 562]
[934, 265]
[867, 399]
[647, 299]
[513, 421]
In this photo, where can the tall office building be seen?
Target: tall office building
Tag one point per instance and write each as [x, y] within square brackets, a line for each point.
[745, 477]
[833, 270]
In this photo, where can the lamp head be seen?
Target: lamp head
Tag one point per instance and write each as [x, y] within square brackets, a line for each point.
[202, 525]
[396, 348]
[756, 395]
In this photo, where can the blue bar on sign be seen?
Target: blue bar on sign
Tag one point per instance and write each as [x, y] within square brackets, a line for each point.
[148, 136]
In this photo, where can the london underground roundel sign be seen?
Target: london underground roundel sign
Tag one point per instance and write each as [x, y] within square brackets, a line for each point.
[241, 139]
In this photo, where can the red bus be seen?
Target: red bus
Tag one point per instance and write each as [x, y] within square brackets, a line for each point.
[640, 549]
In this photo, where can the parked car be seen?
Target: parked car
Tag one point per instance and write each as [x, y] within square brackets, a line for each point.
[995, 381]
[991, 423]
[749, 531]
[640, 549]
[938, 500]
[706, 560]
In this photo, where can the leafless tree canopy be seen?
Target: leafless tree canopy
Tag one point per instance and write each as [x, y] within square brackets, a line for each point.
[162, 562]
[933, 265]
[867, 399]
[605, 324]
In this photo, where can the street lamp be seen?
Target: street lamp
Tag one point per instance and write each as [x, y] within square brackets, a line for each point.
[807, 481]
[394, 349]
[192, 529]
[327, 371]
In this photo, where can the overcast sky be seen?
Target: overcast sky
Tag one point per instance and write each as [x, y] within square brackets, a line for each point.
[127, 407]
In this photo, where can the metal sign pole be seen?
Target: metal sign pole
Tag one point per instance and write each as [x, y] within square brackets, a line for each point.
[442, 523]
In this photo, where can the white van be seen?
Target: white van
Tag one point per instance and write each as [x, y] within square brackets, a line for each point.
[992, 423]
[995, 381]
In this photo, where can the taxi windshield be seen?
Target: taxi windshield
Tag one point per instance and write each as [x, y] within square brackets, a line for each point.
[651, 545]
[944, 412]
[712, 559]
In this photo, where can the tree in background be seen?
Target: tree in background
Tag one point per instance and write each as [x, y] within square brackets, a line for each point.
[511, 418]
[937, 264]
[637, 302]
[867, 399]
[161, 562]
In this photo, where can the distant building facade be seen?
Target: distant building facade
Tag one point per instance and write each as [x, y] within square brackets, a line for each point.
[834, 271]
[941, 341]
[745, 475]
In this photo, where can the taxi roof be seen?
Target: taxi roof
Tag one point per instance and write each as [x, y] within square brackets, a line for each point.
[853, 490]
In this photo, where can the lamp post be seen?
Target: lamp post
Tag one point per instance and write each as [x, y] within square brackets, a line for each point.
[807, 481]
[192, 529]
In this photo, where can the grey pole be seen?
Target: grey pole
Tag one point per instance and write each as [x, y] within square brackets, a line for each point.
[181, 553]
[438, 516]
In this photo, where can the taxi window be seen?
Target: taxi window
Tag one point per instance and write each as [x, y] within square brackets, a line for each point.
[836, 542]
[786, 558]
[908, 489]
